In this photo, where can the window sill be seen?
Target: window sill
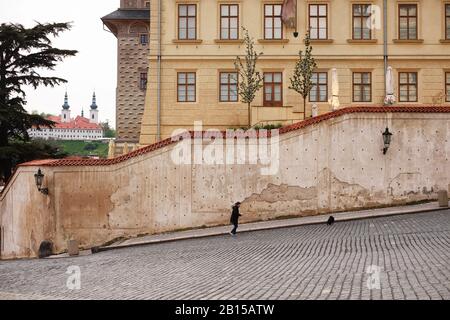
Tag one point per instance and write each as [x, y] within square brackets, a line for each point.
[412, 41]
[447, 41]
[233, 41]
[362, 103]
[276, 107]
[321, 41]
[274, 41]
[186, 41]
[370, 41]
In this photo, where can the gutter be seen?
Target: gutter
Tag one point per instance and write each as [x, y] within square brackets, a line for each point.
[158, 117]
[385, 39]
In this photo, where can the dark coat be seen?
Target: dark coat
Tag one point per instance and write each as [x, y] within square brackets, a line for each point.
[235, 215]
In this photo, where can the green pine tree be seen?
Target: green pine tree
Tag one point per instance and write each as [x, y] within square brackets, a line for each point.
[24, 53]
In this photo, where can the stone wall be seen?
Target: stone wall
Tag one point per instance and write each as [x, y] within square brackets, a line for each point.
[330, 163]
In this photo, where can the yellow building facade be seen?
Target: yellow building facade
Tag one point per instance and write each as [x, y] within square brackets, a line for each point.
[194, 43]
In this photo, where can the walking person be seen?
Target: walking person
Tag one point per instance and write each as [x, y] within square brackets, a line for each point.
[234, 220]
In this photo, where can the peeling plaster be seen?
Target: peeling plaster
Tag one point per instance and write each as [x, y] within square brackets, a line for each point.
[280, 200]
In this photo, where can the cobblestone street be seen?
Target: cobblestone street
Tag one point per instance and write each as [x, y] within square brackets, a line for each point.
[308, 262]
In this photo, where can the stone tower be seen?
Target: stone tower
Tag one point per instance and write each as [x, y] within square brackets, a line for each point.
[130, 24]
[65, 112]
[93, 112]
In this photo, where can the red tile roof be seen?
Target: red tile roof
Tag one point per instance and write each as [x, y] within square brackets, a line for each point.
[296, 126]
[77, 123]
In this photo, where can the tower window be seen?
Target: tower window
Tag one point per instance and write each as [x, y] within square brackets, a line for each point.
[143, 81]
[143, 39]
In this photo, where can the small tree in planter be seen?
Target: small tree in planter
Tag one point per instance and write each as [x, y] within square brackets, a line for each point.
[250, 81]
[304, 68]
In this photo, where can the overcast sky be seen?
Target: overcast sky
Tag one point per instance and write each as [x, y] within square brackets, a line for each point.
[94, 67]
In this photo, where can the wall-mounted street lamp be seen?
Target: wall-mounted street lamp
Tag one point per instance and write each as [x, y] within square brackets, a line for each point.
[387, 136]
[39, 177]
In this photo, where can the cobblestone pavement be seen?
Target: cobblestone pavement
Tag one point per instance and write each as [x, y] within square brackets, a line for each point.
[308, 262]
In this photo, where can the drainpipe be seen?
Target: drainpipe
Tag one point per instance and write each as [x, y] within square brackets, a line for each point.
[385, 40]
[158, 117]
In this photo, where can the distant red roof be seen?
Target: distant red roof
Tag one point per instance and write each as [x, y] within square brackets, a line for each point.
[77, 123]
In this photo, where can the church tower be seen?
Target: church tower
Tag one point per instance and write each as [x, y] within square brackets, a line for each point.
[93, 113]
[65, 112]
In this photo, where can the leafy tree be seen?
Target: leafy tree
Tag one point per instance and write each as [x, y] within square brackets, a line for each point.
[304, 68]
[107, 130]
[24, 52]
[250, 80]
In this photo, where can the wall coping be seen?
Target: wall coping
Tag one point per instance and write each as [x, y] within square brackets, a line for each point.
[294, 127]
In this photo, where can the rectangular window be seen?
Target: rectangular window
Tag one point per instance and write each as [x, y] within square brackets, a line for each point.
[186, 89]
[362, 86]
[407, 86]
[319, 91]
[273, 27]
[143, 81]
[143, 39]
[273, 89]
[318, 21]
[362, 22]
[229, 21]
[447, 86]
[187, 21]
[447, 21]
[228, 87]
[407, 21]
